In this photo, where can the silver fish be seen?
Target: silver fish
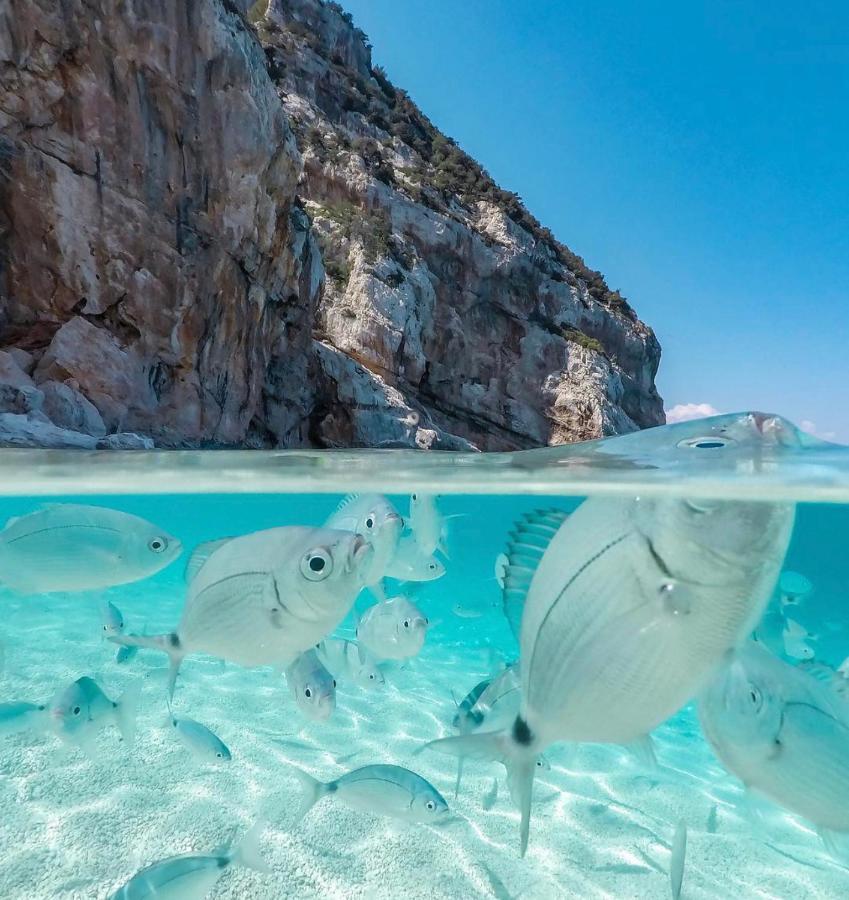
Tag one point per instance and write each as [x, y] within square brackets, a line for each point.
[377, 520]
[347, 659]
[18, 715]
[112, 621]
[393, 629]
[81, 710]
[410, 564]
[203, 743]
[784, 734]
[264, 598]
[313, 688]
[380, 790]
[71, 547]
[426, 523]
[625, 608]
[192, 876]
[125, 654]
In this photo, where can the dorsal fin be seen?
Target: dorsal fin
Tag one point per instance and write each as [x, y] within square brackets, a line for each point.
[526, 545]
[200, 555]
[347, 500]
[828, 675]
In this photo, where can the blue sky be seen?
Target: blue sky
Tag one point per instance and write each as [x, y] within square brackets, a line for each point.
[695, 153]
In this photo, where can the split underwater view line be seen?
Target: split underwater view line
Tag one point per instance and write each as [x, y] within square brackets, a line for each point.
[617, 668]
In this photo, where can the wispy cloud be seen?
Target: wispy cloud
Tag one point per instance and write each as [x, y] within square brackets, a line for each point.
[684, 412]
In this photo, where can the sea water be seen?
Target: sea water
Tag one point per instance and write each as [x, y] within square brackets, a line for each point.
[73, 826]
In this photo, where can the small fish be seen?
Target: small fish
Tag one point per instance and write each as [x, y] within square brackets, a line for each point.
[491, 796]
[71, 547]
[784, 734]
[795, 638]
[347, 659]
[111, 619]
[427, 524]
[393, 629]
[793, 588]
[264, 598]
[676, 865]
[665, 586]
[712, 820]
[501, 563]
[81, 710]
[377, 520]
[18, 715]
[380, 790]
[192, 876]
[125, 654]
[465, 610]
[203, 743]
[312, 687]
[410, 564]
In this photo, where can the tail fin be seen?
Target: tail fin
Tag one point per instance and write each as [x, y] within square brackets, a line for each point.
[313, 790]
[247, 853]
[519, 758]
[167, 643]
[126, 711]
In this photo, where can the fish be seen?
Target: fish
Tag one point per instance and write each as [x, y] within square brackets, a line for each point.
[313, 688]
[795, 639]
[125, 654]
[111, 618]
[73, 547]
[793, 588]
[410, 564]
[264, 598]
[393, 629]
[501, 563]
[82, 710]
[191, 876]
[784, 734]
[18, 715]
[712, 820]
[465, 610]
[377, 520]
[383, 790]
[623, 610]
[426, 524]
[200, 741]
[676, 865]
[348, 659]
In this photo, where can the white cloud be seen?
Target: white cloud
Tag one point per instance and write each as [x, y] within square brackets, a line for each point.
[811, 428]
[684, 412]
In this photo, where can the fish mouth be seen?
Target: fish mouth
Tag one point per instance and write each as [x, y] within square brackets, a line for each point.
[57, 714]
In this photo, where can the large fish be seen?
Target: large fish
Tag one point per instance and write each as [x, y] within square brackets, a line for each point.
[379, 790]
[377, 520]
[393, 629]
[312, 687]
[264, 598]
[784, 734]
[191, 876]
[71, 547]
[625, 609]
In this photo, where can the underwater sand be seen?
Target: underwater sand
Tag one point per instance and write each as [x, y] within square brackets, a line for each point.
[602, 826]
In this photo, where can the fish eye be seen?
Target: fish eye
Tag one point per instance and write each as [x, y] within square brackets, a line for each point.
[406, 623]
[334, 682]
[307, 693]
[371, 677]
[76, 710]
[316, 565]
[430, 805]
[370, 522]
[220, 755]
[157, 544]
[705, 443]
[415, 496]
[432, 567]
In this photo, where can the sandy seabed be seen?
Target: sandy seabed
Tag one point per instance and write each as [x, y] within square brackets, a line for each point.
[77, 829]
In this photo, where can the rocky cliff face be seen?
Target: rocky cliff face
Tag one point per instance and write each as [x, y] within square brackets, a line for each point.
[222, 228]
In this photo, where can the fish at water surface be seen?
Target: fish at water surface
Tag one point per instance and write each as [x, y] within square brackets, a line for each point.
[263, 598]
[627, 607]
[784, 734]
[73, 547]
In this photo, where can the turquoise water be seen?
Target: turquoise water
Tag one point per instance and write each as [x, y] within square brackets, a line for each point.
[77, 824]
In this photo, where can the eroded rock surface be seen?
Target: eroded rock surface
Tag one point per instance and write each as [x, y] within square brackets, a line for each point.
[221, 227]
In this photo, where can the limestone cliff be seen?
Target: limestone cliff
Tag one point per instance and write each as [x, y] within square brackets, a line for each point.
[222, 228]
